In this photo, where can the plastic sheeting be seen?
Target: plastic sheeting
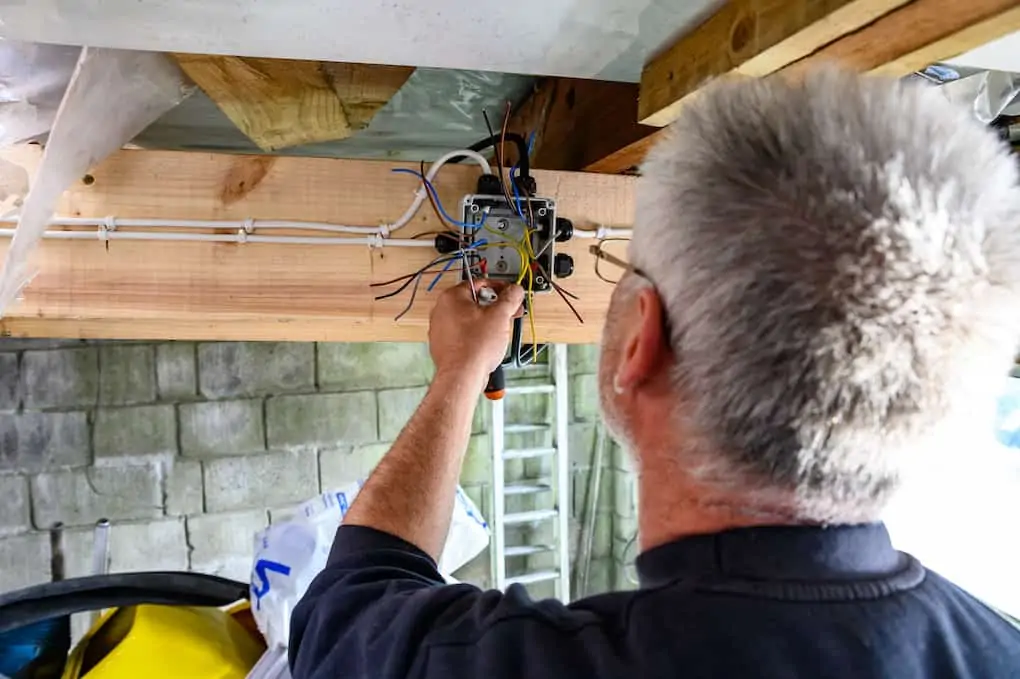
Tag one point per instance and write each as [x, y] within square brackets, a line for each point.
[33, 79]
[436, 110]
[989, 94]
[112, 96]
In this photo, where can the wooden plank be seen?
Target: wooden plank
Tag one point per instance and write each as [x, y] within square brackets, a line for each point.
[579, 122]
[275, 102]
[628, 159]
[133, 289]
[747, 38]
[900, 42]
[918, 34]
[364, 89]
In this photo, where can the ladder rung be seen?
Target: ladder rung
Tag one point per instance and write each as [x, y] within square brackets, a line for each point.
[531, 578]
[527, 550]
[530, 389]
[525, 428]
[521, 453]
[526, 488]
[531, 517]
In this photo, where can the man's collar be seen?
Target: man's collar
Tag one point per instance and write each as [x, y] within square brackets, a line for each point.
[781, 553]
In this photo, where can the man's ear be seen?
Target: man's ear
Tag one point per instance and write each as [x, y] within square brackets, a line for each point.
[646, 347]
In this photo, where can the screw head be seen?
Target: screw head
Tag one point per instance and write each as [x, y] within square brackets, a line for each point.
[502, 225]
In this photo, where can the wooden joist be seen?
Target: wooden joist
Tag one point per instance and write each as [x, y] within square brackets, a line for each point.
[143, 289]
[283, 102]
[747, 38]
[918, 34]
[579, 122]
[898, 38]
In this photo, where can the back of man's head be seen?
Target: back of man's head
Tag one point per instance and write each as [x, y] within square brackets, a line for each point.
[839, 262]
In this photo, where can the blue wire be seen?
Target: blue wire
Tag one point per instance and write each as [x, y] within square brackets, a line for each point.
[513, 176]
[517, 195]
[445, 269]
[451, 263]
[435, 196]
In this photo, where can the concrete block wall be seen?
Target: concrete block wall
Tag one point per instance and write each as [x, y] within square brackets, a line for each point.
[189, 448]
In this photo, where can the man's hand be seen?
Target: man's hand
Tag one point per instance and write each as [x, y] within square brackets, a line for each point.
[465, 337]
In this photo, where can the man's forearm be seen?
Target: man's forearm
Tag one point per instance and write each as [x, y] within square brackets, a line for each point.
[411, 493]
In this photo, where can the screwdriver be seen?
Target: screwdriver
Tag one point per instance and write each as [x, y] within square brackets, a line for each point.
[495, 388]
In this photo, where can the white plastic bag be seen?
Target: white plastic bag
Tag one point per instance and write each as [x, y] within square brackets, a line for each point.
[289, 555]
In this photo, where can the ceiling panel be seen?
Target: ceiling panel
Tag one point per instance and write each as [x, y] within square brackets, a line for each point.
[606, 39]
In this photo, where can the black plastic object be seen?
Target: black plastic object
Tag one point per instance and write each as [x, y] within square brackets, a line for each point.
[489, 185]
[564, 229]
[563, 266]
[527, 185]
[95, 592]
[496, 387]
[447, 243]
[517, 140]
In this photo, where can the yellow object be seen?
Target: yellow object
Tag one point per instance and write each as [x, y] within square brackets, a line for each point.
[165, 642]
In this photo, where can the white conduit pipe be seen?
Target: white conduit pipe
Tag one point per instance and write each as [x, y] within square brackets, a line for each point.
[250, 224]
[240, 237]
[602, 232]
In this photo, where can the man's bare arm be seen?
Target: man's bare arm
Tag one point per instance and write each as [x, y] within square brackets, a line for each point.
[411, 492]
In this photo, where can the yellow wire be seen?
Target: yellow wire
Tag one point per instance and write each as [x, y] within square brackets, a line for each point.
[527, 254]
[531, 314]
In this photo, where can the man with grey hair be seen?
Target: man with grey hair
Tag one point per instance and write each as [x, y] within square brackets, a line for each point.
[824, 279]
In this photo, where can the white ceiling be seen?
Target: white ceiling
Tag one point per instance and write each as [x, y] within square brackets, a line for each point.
[607, 39]
[999, 55]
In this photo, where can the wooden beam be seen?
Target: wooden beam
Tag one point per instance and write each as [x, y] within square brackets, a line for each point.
[906, 39]
[628, 159]
[747, 38]
[144, 290]
[364, 89]
[918, 34]
[579, 122]
[280, 102]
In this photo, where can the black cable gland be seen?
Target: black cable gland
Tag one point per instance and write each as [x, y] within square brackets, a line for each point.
[489, 185]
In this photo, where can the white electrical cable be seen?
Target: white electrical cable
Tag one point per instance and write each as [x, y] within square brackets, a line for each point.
[602, 232]
[239, 237]
[108, 227]
[251, 224]
[386, 229]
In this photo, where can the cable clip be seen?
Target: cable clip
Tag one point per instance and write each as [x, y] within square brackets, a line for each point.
[249, 225]
[106, 227]
[242, 235]
[376, 242]
[384, 231]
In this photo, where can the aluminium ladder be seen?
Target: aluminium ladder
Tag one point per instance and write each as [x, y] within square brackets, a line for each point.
[557, 490]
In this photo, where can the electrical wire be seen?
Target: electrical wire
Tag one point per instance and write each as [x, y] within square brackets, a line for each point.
[531, 311]
[513, 138]
[438, 204]
[239, 237]
[401, 278]
[442, 259]
[410, 302]
[462, 254]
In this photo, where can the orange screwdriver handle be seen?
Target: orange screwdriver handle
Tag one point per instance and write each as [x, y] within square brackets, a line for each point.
[496, 387]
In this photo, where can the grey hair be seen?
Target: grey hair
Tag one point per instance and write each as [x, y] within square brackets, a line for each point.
[839, 260]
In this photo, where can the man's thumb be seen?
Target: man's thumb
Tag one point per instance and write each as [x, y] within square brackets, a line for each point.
[511, 298]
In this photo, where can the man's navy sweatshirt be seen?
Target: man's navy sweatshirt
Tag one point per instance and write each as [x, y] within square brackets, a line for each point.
[757, 602]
